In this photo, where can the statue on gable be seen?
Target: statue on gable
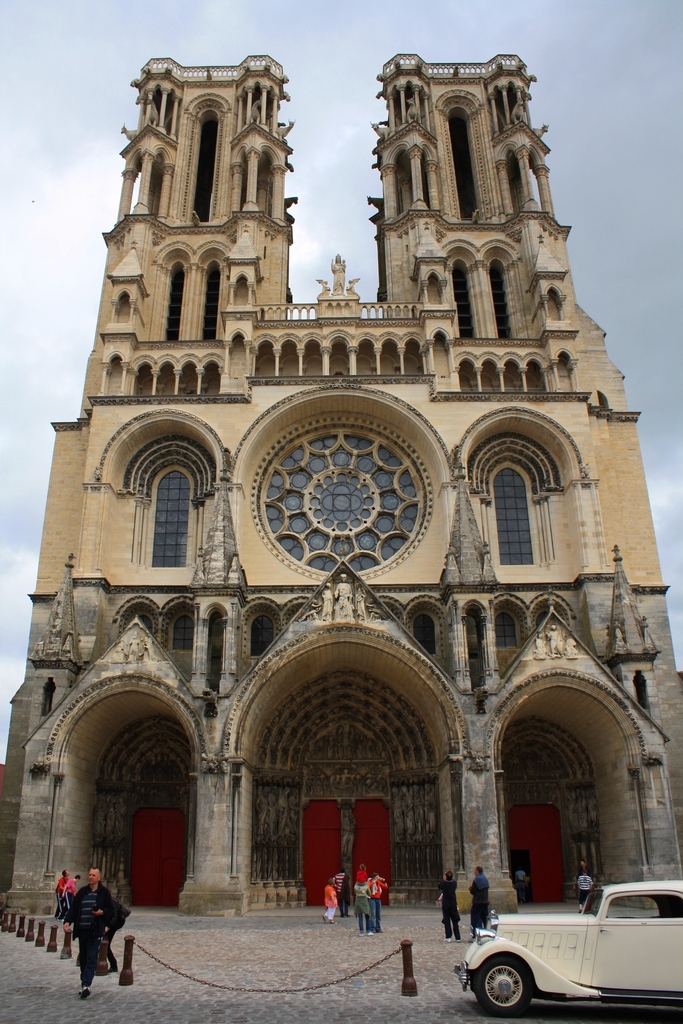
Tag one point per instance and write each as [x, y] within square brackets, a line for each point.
[343, 596]
[338, 268]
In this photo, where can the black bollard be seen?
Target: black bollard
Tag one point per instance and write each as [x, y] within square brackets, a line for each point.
[66, 953]
[30, 932]
[126, 975]
[12, 923]
[408, 985]
[21, 930]
[40, 938]
[102, 962]
[5, 922]
[52, 943]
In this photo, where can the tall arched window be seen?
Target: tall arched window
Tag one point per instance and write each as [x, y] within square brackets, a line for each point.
[172, 515]
[175, 305]
[462, 301]
[512, 519]
[213, 285]
[48, 695]
[215, 650]
[183, 633]
[205, 170]
[261, 635]
[424, 632]
[474, 635]
[500, 304]
[464, 177]
[506, 632]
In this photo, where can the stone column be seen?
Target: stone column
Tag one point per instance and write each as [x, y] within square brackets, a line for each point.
[401, 353]
[200, 375]
[325, 351]
[237, 170]
[250, 100]
[416, 175]
[252, 179]
[125, 367]
[165, 197]
[504, 94]
[352, 352]
[177, 375]
[390, 110]
[541, 172]
[501, 168]
[174, 117]
[279, 173]
[106, 373]
[129, 176]
[501, 378]
[402, 94]
[552, 376]
[277, 352]
[494, 113]
[209, 890]
[264, 105]
[522, 373]
[388, 174]
[573, 377]
[378, 359]
[162, 113]
[155, 381]
[432, 184]
[199, 649]
[300, 354]
[523, 158]
[147, 161]
[481, 291]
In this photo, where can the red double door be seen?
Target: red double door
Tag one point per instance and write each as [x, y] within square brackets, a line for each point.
[322, 844]
[536, 837]
[157, 856]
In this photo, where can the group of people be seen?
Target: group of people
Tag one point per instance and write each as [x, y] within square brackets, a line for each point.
[450, 915]
[91, 914]
[367, 901]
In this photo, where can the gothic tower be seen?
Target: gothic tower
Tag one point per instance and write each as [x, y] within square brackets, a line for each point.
[343, 565]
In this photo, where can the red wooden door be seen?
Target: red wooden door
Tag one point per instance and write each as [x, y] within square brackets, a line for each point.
[536, 828]
[157, 856]
[371, 844]
[322, 848]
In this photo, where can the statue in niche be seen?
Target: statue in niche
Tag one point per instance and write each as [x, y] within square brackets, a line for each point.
[412, 108]
[256, 112]
[517, 113]
[555, 642]
[430, 811]
[338, 267]
[136, 648]
[327, 613]
[343, 595]
[570, 648]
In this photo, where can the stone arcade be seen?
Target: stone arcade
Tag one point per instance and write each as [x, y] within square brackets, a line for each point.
[345, 582]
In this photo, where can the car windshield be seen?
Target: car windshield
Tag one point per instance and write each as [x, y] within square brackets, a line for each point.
[593, 901]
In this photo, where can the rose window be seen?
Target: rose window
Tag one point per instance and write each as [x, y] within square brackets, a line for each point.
[343, 496]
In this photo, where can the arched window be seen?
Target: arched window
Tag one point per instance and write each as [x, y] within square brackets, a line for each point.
[241, 292]
[462, 301]
[48, 695]
[183, 633]
[424, 632]
[534, 377]
[640, 687]
[464, 177]
[512, 378]
[205, 170]
[474, 635]
[213, 284]
[433, 291]
[500, 304]
[175, 305]
[172, 515]
[261, 635]
[146, 622]
[512, 519]
[506, 632]
[554, 309]
[123, 308]
[468, 376]
[564, 376]
[215, 650]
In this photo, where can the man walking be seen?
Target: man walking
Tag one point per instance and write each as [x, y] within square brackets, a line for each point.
[89, 914]
[480, 900]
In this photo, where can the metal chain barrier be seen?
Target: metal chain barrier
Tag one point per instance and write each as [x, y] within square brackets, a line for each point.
[274, 991]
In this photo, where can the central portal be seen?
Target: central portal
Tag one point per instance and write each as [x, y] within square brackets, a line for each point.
[366, 833]
[346, 775]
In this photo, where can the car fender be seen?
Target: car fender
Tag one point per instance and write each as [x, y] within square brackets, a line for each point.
[545, 978]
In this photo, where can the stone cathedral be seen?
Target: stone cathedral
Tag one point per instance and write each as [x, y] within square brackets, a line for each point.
[353, 580]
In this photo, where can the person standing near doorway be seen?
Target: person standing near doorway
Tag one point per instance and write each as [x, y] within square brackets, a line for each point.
[584, 883]
[330, 901]
[361, 906]
[89, 914]
[342, 884]
[520, 885]
[449, 907]
[480, 899]
[377, 886]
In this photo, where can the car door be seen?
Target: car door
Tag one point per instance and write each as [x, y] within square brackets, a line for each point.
[640, 943]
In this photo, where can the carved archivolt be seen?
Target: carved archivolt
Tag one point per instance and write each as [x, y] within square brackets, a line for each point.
[152, 750]
[148, 419]
[539, 750]
[164, 452]
[505, 448]
[533, 418]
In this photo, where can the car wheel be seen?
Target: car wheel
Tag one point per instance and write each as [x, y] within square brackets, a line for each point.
[504, 986]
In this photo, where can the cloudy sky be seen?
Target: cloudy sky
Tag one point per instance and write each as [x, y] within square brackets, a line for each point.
[609, 86]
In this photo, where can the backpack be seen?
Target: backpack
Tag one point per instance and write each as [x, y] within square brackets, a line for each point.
[121, 912]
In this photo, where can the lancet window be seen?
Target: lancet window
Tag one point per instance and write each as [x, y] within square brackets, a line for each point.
[500, 304]
[175, 305]
[512, 519]
[171, 521]
[506, 631]
[261, 635]
[464, 176]
[205, 170]
[425, 633]
[183, 633]
[213, 284]
[462, 302]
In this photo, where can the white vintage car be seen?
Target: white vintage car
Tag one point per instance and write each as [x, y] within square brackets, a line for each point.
[626, 947]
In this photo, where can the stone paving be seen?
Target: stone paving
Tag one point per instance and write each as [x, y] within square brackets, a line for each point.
[284, 949]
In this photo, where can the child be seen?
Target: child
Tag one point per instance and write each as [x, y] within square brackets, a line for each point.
[330, 901]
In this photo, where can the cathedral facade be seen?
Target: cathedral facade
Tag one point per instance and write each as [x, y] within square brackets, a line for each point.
[347, 580]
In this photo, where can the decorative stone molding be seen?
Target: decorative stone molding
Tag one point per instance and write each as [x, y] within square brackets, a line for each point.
[41, 767]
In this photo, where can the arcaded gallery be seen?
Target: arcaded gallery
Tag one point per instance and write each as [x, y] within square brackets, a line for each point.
[351, 580]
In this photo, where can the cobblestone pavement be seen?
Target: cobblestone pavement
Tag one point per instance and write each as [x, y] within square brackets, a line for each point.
[284, 949]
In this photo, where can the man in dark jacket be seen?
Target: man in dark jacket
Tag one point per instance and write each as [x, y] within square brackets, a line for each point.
[480, 899]
[89, 914]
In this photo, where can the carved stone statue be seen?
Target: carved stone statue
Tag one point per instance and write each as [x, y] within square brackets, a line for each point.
[351, 290]
[540, 651]
[556, 649]
[343, 595]
[348, 831]
[338, 268]
[256, 112]
[361, 611]
[327, 613]
[570, 648]
[324, 286]
[283, 130]
[136, 649]
[412, 109]
[382, 130]
[130, 133]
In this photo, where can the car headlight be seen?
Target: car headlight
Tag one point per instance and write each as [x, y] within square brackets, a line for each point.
[464, 975]
[482, 935]
[493, 921]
